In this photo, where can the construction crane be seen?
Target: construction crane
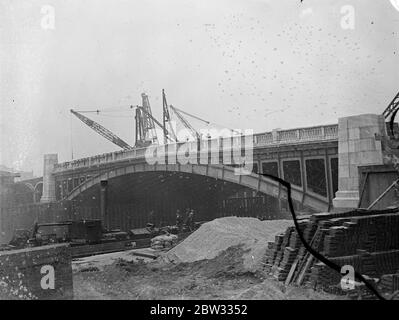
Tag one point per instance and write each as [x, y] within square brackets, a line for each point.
[142, 112]
[185, 122]
[167, 119]
[179, 113]
[102, 131]
[392, 107]
[145, 127]
[392, 110]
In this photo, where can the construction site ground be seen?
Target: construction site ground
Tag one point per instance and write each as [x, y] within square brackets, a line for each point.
[228, 274]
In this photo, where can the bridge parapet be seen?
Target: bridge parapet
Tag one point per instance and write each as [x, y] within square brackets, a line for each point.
[137, 153]
[317, 133]
[276, 137]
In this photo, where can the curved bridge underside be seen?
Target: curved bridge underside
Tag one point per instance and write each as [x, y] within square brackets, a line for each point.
[221, 173]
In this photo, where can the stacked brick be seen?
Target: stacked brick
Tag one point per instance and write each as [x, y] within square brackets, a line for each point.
[368, 243]
[366, 240]
[389, 283]
[281, 254]
[281, 263]
[371, 233]
[285, 264]
[361, 292]
[271, 252]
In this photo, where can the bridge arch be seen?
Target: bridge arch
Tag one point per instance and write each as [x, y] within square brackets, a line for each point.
[29, 185]
[219, 172]
[38, 191]
[23, 192]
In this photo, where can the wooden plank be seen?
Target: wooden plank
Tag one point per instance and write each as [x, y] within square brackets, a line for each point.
[143, 254]
[304, 270]
[307, 256]
[89, 250]
[291, 273]
[364, 184]
[383, 194]
[301, 263]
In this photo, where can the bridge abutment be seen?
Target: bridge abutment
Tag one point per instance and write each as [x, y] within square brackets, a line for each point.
[359, 143]
[48, 195]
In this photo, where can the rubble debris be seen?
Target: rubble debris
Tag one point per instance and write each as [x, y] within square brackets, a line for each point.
[100, 261]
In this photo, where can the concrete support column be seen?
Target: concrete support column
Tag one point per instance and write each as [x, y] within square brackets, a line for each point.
[103, 201]
[48, 194]
[359, 144]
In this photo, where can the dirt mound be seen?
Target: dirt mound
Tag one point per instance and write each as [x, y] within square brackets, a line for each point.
[228, 264]
[216, 236]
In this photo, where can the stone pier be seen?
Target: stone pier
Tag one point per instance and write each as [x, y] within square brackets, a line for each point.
[359, 143]
[50, 160]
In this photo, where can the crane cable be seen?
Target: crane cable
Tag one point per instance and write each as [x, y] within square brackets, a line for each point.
[71, 134]
[100, 112]
[108, 109]
[205, 121]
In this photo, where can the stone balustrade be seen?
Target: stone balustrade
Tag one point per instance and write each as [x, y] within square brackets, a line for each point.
[319, 133]
[300, 135]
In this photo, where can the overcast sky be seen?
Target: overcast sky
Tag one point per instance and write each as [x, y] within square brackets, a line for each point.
[258, 64]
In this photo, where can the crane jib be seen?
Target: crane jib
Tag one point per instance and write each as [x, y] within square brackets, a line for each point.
[102, 131]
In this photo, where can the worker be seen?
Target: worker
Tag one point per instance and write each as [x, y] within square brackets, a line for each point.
[35, 229]
[179, 220]
[190, 220]
[151, 218]
[186, 213]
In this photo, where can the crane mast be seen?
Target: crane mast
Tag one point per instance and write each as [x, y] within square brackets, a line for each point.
[142, 111]
[167, 119]
[145, 126]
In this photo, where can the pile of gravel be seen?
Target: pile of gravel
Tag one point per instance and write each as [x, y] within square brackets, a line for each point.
[216, 236]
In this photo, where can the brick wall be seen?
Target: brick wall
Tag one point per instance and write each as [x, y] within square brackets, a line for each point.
[23, 273]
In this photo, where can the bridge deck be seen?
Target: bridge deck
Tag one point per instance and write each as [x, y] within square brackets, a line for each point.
[262, 140]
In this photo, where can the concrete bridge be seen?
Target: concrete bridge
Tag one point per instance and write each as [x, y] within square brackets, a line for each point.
[307, 157]
[320, 162]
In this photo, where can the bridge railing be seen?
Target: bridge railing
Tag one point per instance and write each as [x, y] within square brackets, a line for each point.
[318, 133]
[214, 145]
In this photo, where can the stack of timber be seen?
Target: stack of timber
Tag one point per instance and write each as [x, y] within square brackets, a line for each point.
[366, 240]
